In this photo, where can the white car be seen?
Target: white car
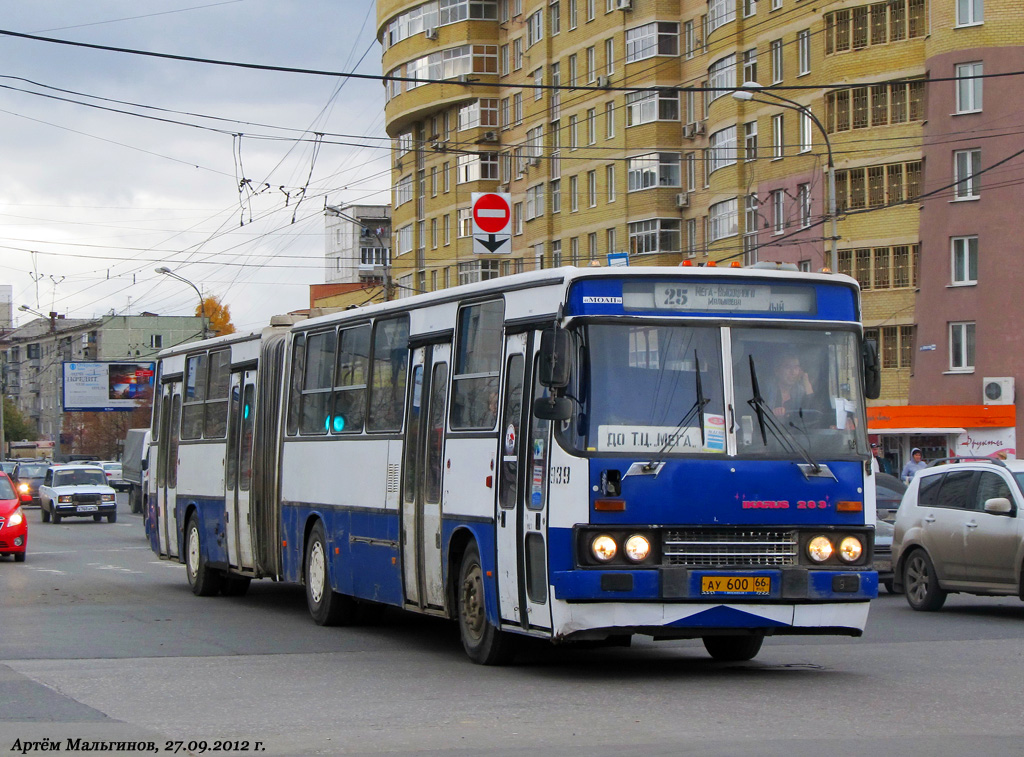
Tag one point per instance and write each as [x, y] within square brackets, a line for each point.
[115, 476]
[76, 491]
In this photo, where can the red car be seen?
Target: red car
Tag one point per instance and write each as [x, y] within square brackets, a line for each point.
[13, 528]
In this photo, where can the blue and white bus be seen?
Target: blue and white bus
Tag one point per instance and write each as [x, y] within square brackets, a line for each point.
[570, 454]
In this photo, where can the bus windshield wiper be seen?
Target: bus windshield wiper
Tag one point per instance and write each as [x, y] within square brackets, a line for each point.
[767, 421]
[695, 410]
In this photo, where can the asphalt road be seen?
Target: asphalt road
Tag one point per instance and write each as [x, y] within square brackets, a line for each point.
[100, 640]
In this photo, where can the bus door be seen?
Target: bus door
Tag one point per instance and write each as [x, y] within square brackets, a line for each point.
[238, 468]
[422, 472]
[522, 495]
[167, 470]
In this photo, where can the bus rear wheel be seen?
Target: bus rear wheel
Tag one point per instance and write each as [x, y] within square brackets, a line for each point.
[328, 607]
[733, 648]
[204, 580]
[484, 644]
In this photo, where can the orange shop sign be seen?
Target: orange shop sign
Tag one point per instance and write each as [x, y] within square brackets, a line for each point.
[941, 416]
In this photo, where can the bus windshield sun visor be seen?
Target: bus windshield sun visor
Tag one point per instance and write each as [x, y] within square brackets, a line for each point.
[768, 422]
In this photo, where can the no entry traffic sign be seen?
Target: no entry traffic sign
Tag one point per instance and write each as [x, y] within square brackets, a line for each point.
[492, 213]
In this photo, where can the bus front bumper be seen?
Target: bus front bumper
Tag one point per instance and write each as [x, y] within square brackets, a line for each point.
[675, 584]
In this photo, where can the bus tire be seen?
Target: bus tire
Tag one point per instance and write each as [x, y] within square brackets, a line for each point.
[733, 648]
[205, 581]
[484, 644]
[326, 606]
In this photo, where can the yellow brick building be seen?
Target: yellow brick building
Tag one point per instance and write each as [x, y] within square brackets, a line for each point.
[613, 126]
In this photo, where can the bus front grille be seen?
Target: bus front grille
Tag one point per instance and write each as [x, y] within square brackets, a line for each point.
[723, 548]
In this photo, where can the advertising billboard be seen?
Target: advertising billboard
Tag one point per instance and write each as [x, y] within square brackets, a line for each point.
[102, 386]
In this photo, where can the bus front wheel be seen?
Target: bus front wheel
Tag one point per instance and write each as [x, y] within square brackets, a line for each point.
[485, 644]
[733, 648]
[328, 607]
[204, 580]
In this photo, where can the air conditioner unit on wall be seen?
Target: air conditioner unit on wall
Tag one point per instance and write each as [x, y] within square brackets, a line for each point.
[700, 127]
[997, 391]
[430, 32]
[683, 200]
[624, 5]
[689, 131]
[603, 81]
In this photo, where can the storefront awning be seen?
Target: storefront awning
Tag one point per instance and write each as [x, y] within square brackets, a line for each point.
[939, 419]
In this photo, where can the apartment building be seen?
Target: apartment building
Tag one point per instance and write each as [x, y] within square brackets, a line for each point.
[33, 355]
[675, 131]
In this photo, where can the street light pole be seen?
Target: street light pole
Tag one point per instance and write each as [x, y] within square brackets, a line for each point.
[747, 94]
[202, 302]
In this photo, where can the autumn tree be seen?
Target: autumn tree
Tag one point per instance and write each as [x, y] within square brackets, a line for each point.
[16, 427]
[102, 433]
[217, 314]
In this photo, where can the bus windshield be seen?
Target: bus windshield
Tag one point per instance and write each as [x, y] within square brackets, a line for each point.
[655, 389]
[808, 392]
[659, 390]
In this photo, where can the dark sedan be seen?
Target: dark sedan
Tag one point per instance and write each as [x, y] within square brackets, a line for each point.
[27, 477]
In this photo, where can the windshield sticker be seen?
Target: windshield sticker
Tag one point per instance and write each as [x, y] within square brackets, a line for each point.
[656, 439]
[714, 433]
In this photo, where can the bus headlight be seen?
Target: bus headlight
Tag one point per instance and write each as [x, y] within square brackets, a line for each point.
[850, 549]
[603, 548]
[819, 549]
[636, 548]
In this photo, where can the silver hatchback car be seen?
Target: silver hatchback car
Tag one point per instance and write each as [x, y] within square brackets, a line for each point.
[960, 528]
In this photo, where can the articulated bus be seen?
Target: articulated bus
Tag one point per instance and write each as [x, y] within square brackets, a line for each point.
[570, 454]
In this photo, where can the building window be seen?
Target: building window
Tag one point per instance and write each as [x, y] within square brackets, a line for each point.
[592, 189]
[609, 236]
[403, 191]
[690, 161]
[591, 64]
[156, 341]
[478, 113]
[778, 211]
[803, 51]
[723, 220]
[574, 195]
[591, 126]
[875, 24]
[465, 228]
[404, 239]
[969, 12]
[654, 236]
[882, 267]
[750, 65]
[877, 105]
[609, 119]
[649, 40]
[476, 167]
[478, 270]
[689, 39]
[776, 55]
[806, 132]
[968, 89]
[609, 56]
[609, 181]
[556, 196]
[778, 146]
[966, 166]
[965, 260]
[653, 170]
[749, 8]
[961, 346]
[722, 77]
[534, 28]
[720, 12]
[803, 199]
[721, 149]
[750, 140]
[645, 107]
[534, 202]
[517, 53]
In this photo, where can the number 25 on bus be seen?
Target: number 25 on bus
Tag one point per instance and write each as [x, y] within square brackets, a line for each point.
[569, 454]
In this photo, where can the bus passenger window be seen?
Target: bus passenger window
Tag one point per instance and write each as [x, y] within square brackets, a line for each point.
[317, 383]
[477, 365]
[349, 404]
[216, 410]
[389, 367]
[295, 389]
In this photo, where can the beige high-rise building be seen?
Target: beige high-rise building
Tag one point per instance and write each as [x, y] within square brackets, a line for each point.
[614, 126]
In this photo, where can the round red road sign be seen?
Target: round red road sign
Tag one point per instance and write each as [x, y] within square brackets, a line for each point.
[491, 213]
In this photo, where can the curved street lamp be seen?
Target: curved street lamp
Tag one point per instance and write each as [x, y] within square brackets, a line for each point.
[746, 93]
[202, 303]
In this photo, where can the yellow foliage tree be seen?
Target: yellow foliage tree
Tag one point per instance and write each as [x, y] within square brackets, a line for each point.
[217, 314]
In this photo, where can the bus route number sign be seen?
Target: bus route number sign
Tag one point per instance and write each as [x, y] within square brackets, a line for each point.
[735, 584]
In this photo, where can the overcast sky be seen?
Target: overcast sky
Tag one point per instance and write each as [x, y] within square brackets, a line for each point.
[102, 198]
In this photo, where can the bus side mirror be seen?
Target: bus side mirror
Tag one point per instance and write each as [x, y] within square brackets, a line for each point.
[553, 408]
[555, 352]
[872, 370]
